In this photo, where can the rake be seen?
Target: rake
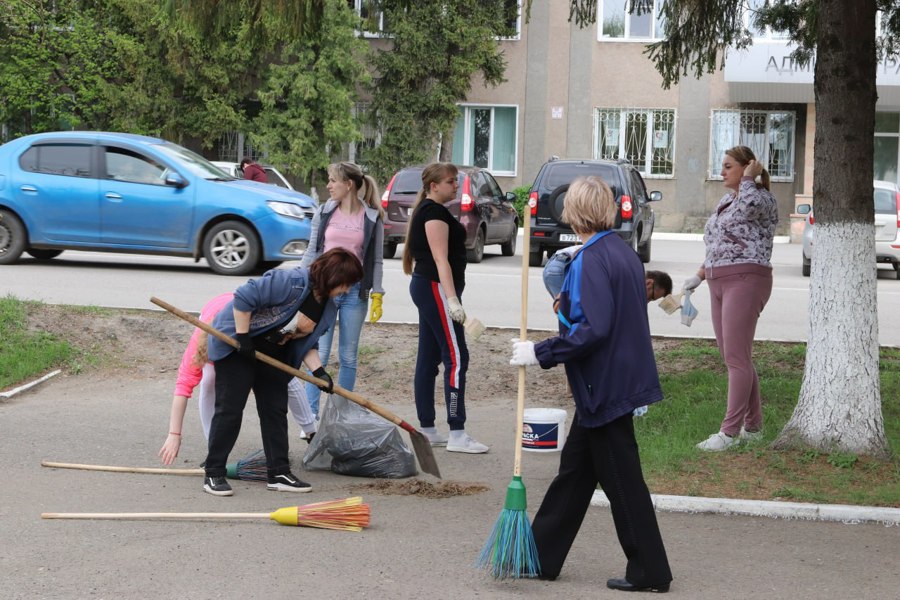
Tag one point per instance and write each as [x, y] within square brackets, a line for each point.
[348, 514]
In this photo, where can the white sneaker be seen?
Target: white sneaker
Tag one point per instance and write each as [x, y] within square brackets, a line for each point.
[717, 442]
[436, 439]
[467, 445]
[750, 436]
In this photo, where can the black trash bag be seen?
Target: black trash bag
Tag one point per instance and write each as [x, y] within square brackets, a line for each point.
[354, 441]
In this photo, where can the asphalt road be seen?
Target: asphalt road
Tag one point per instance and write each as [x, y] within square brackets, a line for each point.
[492, 290]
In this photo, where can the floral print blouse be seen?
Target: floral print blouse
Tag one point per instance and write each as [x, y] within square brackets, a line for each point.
[742, 228]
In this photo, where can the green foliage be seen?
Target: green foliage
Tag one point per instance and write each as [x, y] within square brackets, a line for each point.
[308, 96]
[436, 48]
[842, 460]
[521, 202]
[26, 354]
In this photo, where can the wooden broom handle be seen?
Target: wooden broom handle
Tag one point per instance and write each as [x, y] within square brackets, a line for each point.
[151, 470]
[154, 515]
[523, 335]
[353, 396]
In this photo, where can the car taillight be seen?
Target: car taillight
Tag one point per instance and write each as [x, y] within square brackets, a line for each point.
[898, 210]
[387, 192]
[465, 203]
[811, 219]
[626, 208]
[532, 203]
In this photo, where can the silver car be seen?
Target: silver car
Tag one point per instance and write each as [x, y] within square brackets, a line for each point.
[887, 227]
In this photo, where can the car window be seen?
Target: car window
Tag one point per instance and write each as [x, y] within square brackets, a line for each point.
[73, 160]
[637, 187]
[885, 201]
[273, 177]
[190, 161]
[125, 165]
[496, 192]
[408, 181]
[558, 175]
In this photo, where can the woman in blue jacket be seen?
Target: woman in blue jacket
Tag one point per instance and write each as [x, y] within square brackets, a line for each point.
[263, 317]
[604, 343]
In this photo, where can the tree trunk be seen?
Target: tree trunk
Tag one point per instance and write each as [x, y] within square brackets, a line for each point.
[840, 401]
[446, 151]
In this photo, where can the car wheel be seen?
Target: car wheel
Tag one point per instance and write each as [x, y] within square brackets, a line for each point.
[232, 248]
[535, 256]
[477, 252]
[508, 248]
[12, 238]
[644, 251]
[42, 254]
[806, 266]
[634, 241]
[556, 202]
[390, 249]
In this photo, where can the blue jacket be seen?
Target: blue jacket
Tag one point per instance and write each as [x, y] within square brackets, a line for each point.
[607, 349]
[273, 300]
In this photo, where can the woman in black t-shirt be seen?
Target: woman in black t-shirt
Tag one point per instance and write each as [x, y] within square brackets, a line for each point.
[436, 244]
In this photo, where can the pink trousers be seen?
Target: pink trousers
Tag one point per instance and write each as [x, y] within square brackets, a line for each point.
[738, 295]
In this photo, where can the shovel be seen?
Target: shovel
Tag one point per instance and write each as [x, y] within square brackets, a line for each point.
[421, 445]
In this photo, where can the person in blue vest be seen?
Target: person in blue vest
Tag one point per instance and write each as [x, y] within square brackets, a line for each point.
[604, 343]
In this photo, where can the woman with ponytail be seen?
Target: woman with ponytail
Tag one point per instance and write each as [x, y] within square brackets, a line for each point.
[738, 238]
[352, 218]
[435, 255]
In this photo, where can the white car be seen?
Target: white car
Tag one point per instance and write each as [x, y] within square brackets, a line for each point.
[887, 227]
[274, 176]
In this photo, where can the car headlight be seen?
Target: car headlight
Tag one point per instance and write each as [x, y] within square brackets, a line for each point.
[288, 209]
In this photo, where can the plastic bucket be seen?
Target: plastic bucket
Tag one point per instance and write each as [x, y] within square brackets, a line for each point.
[543, 429]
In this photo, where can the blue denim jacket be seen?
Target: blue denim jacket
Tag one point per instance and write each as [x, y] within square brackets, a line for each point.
[272, 300]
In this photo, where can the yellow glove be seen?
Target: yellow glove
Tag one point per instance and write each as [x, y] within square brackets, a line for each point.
[375, 310]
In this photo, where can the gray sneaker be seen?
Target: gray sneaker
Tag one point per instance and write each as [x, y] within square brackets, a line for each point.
[750, 436]
[435, 439]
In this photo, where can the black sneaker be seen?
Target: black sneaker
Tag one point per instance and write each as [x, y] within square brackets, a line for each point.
[286, 482]
[217, 486]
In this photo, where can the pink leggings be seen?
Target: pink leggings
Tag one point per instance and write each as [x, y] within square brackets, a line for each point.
[738, 294]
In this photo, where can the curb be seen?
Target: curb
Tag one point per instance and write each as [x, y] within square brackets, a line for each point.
[766, 508]
[22, 388]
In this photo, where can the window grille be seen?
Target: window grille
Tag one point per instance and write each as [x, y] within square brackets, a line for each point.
[770, 134]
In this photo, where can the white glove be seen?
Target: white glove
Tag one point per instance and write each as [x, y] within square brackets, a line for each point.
[523, 354]
[691, 283]
[456, 310]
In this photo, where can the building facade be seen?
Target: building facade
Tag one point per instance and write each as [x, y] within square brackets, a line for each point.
[593, 93]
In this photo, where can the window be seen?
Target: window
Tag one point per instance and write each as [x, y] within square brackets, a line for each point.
[513, 11]
[358, 151]
[486, 136]
[644, 23]
[887, 146]
[125, 165]
[645, 137]
[374, 22]
[770, 134]
[73, 160]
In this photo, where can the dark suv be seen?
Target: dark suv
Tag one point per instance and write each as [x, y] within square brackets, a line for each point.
[488, 215]
[634, 222]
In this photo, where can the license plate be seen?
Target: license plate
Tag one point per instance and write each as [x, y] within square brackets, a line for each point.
[568, 237]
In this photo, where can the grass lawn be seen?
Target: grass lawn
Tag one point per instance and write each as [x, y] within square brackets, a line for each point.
[695, 385]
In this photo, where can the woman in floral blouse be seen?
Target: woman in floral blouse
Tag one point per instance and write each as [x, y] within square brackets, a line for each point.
[738, 239]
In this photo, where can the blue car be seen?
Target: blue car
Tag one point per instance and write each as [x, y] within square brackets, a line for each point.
[117, 192]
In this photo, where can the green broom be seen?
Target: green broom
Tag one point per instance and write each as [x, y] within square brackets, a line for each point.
[510, 550]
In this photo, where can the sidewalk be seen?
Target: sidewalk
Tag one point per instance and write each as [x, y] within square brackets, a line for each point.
[416, 547]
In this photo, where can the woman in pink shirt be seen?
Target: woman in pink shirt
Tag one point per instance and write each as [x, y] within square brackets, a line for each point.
[196, 370]
[350, 219]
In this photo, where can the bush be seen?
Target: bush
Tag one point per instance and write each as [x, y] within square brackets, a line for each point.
[521, 202]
